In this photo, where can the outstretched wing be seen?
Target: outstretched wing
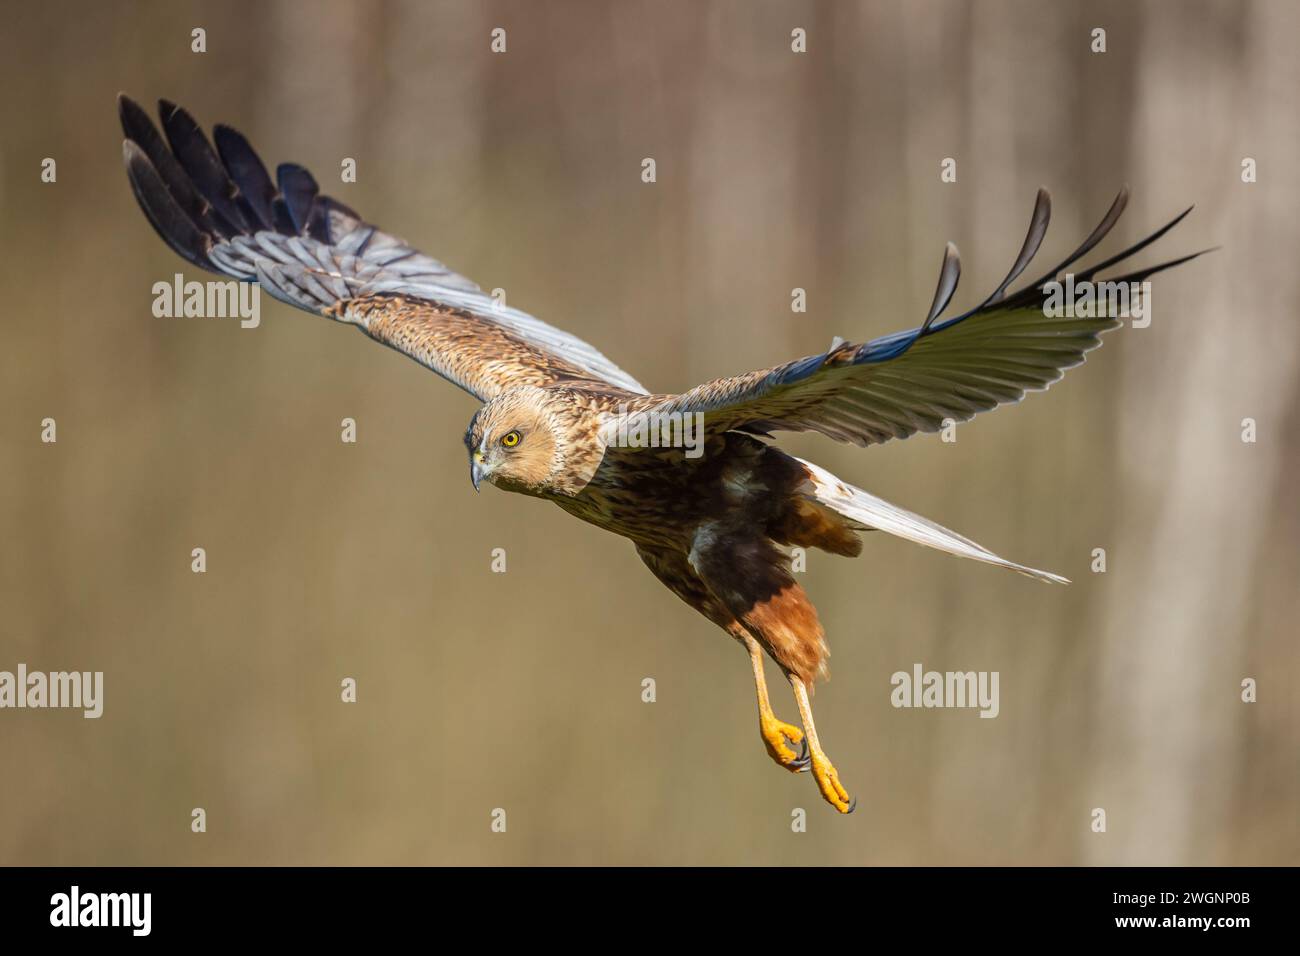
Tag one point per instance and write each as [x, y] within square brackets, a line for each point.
[895, 386]
[219, 209]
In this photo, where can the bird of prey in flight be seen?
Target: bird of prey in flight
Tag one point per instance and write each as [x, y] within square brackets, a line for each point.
[716, 528]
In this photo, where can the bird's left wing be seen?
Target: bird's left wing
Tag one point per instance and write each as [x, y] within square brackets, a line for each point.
[897, 385]
[219, 209]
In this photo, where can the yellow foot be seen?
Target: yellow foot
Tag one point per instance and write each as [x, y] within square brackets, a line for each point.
[828, 781]
[780, 739]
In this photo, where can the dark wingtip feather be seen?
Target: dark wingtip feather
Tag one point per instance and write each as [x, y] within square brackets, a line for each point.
[126, 105]
[140, 129]
[136, 124]
[196, 194]
[246, 168]
[1135, 248]
[1030, 292]
[168, 219]
[196, 156]
[949, 275]
[1099, 232]
[281, 221]
[1146, 273]
[1039, 220]
[299, 189]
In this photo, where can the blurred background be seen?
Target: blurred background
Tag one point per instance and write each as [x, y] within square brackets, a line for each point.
[522, 690]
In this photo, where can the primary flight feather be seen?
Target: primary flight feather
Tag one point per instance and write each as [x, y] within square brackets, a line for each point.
[715, 527]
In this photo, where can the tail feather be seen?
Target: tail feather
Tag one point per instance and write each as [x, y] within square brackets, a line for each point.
[867, 512]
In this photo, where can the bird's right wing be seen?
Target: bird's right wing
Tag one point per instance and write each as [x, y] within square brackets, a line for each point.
[219, 209]
[915, 381]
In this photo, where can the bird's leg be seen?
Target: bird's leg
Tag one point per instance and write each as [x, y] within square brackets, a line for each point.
[828, 781]
[779, 737]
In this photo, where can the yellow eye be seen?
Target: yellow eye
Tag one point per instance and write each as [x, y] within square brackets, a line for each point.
[510, 439]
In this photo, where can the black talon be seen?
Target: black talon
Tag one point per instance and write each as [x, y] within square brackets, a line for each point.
[801, 762]
[853, 805]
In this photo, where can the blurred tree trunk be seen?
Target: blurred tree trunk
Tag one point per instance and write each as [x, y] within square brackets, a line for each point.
[1196, 501]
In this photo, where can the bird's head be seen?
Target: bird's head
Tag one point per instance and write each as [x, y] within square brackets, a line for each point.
[516, 441]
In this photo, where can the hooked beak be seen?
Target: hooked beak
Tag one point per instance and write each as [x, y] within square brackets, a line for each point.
[476, 469]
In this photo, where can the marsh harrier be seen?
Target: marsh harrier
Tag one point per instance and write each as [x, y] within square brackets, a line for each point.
[716, 527]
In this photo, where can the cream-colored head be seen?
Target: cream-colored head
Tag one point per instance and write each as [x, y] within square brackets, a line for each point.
[516, 442]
